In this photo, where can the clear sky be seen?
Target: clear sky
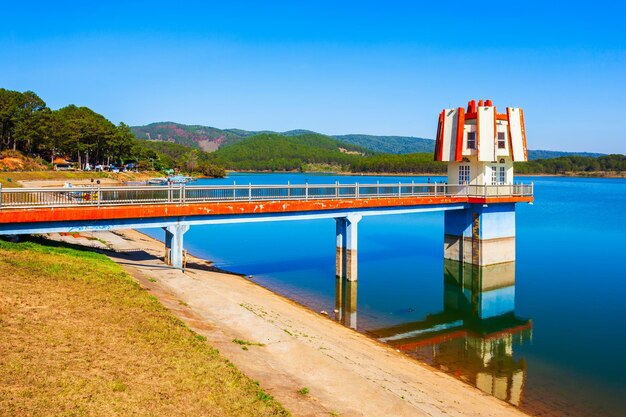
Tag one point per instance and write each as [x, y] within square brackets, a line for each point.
[336, 67]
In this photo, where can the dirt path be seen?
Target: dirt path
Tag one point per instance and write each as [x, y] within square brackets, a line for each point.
[346, 373]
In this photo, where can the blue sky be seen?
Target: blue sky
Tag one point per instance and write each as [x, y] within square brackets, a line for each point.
[375, 67]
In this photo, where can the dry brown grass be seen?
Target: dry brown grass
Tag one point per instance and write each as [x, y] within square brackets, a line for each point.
[15, 161]
[80, 337]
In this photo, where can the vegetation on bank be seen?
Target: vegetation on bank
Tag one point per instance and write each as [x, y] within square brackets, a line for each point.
[573, 164]
[80, 336]
[80, 135]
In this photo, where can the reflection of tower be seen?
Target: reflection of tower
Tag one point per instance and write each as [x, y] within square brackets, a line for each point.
[345, 302]
[475, 334]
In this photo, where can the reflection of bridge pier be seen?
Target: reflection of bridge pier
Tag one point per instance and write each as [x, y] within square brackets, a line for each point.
[345, 302]
[475, 334]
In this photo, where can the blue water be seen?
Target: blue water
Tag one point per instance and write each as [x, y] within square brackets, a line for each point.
[560, 352]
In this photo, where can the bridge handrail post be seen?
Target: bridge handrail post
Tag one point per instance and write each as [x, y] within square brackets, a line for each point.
[399, 189]
[356, 190]
[377, 188]
[289, 190]
[336, 189]
[249, 191]
[306, 191]
[234, 190]
[435, 187]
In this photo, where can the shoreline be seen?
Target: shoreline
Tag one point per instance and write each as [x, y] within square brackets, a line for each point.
[302, 348]
[444, 174]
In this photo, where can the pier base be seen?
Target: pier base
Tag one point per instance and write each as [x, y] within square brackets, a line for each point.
[480, 234]
[174, 244]
[346, 252]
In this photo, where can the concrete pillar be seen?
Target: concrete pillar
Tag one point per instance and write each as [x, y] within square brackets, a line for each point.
[351, 257]
[480, 234]
[174, 242]
[340, 252]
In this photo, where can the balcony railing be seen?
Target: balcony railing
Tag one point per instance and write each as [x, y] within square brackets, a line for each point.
[174, 194]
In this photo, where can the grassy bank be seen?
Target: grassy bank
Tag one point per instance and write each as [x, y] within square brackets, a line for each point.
[80, 336]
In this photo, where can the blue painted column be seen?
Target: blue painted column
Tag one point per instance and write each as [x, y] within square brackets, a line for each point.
[174, 242]
[340, 251]
[347, 245]
[480, 234]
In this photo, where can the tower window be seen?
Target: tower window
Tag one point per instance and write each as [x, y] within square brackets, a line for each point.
[502, 175]
[471, 140]
[464, 174]
[501, 142]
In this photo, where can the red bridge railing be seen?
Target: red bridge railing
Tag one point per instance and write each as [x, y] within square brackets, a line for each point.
[142, 195]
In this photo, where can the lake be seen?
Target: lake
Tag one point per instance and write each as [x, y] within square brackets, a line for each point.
[549, 339]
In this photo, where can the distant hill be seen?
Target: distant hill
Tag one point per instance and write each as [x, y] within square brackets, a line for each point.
[539, 154]
[390, 144]
[210, 139]
[277, 152]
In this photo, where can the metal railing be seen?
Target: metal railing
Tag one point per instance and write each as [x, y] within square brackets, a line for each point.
[139, 195]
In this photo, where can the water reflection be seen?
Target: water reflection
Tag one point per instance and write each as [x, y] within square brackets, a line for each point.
[474, 336]
[345, 302]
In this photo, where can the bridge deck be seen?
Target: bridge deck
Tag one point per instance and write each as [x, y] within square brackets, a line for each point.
[21, 206]
[153, 210]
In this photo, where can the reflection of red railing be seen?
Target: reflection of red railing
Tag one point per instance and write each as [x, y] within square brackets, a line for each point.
[459, 334]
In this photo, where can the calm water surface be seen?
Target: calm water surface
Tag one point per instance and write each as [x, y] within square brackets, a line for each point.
[545, 333]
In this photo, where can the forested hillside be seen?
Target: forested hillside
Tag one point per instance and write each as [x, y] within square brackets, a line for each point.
[391, 144]
[272, 151]
[210, 139]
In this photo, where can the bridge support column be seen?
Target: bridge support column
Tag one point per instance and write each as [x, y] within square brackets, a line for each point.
[480, 234]
[346, 252]
[174, 244]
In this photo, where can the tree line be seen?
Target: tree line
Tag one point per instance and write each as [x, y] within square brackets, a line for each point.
[83, 136]
[565, 164]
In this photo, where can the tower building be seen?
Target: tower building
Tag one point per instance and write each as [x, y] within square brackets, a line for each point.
[480, 144]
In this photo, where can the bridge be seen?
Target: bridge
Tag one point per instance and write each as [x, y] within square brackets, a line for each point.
[177, 208]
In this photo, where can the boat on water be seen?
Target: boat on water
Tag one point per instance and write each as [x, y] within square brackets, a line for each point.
[171, 179]
[157, 181]
[179, 179]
